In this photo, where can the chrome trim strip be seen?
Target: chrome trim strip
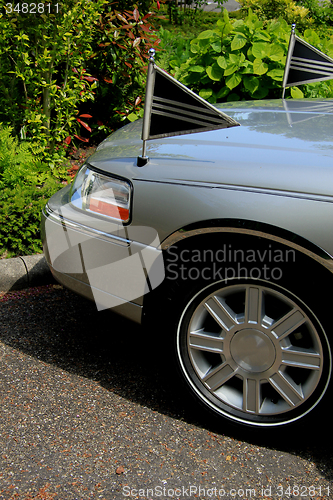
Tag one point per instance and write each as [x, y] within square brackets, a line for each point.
[94, 233]
[325, 259]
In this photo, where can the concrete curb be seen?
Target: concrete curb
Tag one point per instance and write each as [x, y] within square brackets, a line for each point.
[24, 272]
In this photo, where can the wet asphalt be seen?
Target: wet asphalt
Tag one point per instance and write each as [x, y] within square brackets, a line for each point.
[86, 414]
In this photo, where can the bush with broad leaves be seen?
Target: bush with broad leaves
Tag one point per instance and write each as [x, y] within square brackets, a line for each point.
[245, 59]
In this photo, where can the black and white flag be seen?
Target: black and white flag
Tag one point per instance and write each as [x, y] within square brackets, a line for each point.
[173, 109]
[305, 63]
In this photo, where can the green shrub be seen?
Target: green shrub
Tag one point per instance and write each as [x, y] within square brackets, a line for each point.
[20, 216]
[321, 12]
[245, 59]
[305, 13]
[56, 64]
[174, 50]
[284, 9]
[42, 55]
[26, 182]
[18, 163]
[25, 163]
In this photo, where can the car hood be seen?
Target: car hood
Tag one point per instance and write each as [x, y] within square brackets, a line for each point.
[280, 145]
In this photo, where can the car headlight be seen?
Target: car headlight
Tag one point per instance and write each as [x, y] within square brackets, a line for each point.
[101, 194]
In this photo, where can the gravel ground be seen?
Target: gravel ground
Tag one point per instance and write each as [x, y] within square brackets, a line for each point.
[84, 415]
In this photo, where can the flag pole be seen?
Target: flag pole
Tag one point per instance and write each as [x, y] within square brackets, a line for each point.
[290, 51]
[143, 160]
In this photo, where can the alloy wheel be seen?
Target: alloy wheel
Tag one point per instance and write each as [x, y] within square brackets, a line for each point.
[253, 352]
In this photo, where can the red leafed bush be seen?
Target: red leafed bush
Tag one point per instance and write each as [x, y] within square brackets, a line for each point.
[119, 62]
[79, 58]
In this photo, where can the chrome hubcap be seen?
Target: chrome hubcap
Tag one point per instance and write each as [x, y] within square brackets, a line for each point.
[255, 350]
[252, 350]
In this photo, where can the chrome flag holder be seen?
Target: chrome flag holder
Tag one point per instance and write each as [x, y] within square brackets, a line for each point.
[143, 160]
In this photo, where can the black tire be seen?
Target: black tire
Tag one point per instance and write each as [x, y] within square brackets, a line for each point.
[251, 351]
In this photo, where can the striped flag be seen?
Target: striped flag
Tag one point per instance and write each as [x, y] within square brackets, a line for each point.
[173, 109]
[305, 63]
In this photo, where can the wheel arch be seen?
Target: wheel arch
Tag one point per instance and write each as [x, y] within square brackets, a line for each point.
[255, 229]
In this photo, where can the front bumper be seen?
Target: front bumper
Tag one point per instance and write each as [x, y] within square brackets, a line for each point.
[100, 260]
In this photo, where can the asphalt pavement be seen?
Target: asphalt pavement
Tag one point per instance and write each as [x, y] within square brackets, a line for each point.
[230, 5]
[86, 413]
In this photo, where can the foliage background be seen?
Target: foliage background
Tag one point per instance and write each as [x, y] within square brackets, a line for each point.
[243, 58]
[70, 78]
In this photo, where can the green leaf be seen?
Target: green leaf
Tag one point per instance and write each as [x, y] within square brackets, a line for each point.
[251, 83]
[207, 59]
[296, 93]
[259, 67]
[222, 62]
[217, 46]
[250, 54]
[206, 93]
[276, 74]
[276, 52]
[224, 25]
[225, 15]
[260, 50]
[239, 25]
[214, 72]
[236, 58]
[195, 48]
[207, 34]
[196, 69]
[132, 117]
[238, 41]
[233, 80]
[312, 37]
[231, 68]
[247, 68]
[261, 36]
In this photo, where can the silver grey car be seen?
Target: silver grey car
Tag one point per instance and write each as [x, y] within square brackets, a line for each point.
[222, 245]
